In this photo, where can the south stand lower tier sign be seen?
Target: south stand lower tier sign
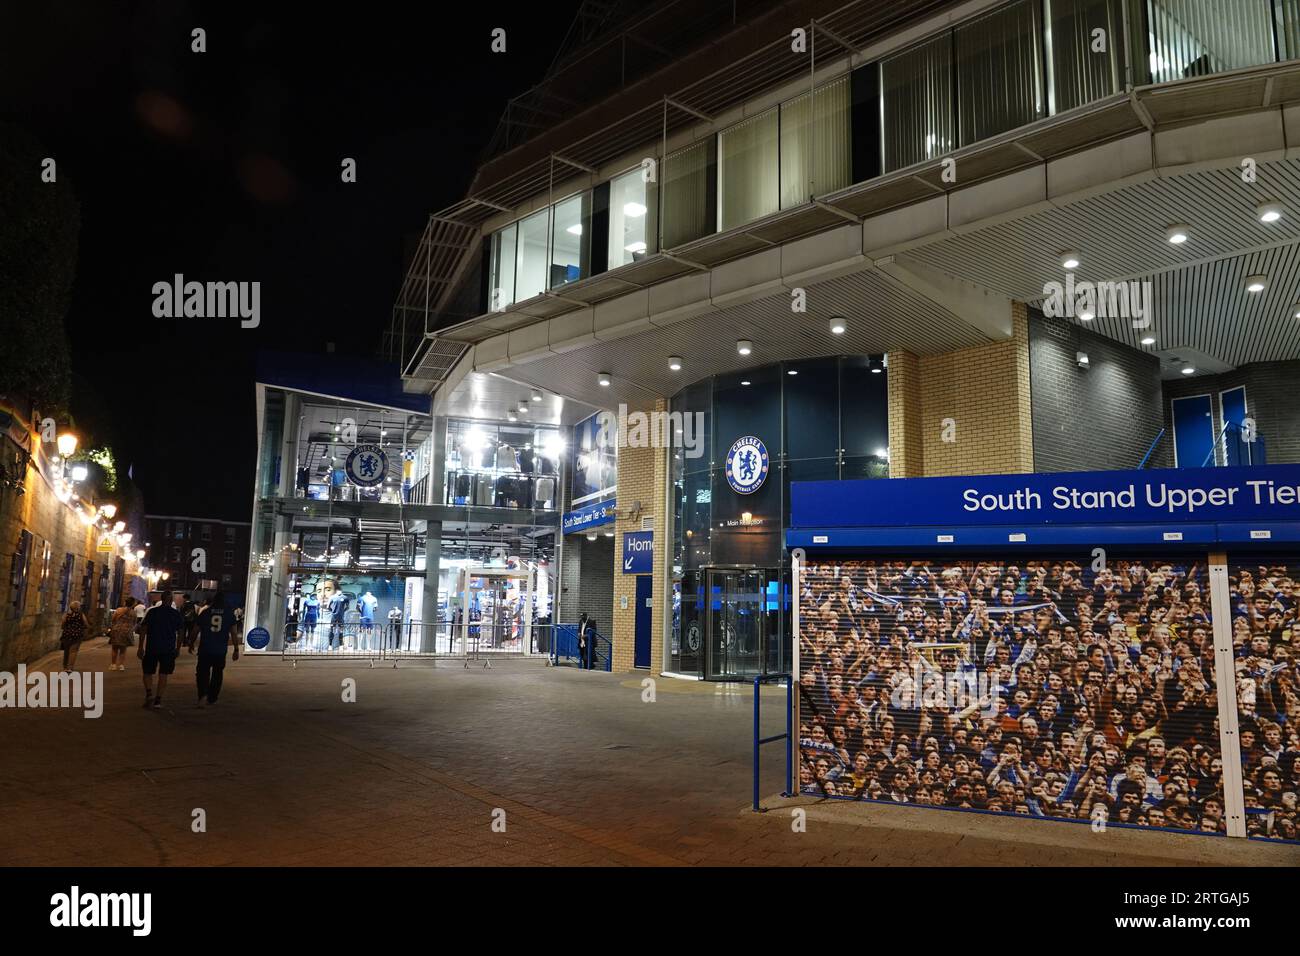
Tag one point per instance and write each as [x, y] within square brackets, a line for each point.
[747, 465]
[366, 465]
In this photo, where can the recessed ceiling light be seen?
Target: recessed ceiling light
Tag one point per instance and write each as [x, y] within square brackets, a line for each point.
[744, 381]
[1149, 340]
[510, 416]
[523, 408]
[603, 378]
[675, 362]
[1189, 370]
[838, 325]
[537, 396]
[1069, 260]
[744, 346]
[1269, 211]
[1256, 283]
[793, 371]
[1177, 235]
[1086, 315]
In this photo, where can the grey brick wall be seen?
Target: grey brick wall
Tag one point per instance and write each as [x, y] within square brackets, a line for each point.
[1272, 399]
[1102, 417]
[587, 579]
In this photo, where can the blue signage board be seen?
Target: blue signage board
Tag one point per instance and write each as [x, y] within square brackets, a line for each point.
[258, 638]
[638, 552]
[588, 516]
[1261, 493]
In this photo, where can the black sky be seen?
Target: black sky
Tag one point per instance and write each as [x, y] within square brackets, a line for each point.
[224, 166]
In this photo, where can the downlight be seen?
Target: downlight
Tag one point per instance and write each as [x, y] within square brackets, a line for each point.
[744, 346]
[1269, 211]
[675, 363]
[1177, 235]
[838, 325]
[1256, 283]
[1069, 260]
[603, 379]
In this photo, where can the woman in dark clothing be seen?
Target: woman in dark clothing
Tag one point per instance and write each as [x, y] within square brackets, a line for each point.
[74, 631]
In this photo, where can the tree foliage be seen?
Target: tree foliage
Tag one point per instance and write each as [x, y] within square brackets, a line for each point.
[39, 223]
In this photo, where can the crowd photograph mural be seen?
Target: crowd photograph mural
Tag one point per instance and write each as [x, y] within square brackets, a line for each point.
[1053, 688]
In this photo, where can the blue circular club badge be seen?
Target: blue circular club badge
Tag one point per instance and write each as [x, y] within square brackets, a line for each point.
[366, 465]
[747, 465]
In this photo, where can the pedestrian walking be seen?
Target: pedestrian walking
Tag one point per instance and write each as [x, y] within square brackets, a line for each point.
[120, 629]
[159, 646]
[72, 634]
[218, 629]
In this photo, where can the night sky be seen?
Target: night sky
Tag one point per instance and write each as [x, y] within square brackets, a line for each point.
[225, 166]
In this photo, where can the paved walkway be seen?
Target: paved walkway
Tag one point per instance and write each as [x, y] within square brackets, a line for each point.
[413, 771]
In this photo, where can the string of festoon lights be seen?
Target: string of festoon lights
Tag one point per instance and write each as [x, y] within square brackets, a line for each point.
[266, 561]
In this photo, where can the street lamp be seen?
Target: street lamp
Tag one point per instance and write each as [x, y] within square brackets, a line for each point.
[109, 511]
[79, 472]
[67, 443]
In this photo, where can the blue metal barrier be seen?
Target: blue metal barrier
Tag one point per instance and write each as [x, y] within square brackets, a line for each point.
[788, 736]
[565, 643]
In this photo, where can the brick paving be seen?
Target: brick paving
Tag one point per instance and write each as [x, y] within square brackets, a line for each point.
[585, 772]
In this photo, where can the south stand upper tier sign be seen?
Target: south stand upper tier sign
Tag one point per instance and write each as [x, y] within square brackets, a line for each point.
[747, 465]
[366, 465]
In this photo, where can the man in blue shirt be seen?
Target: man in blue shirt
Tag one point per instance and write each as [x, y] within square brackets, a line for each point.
[217, 630]
[162, 629]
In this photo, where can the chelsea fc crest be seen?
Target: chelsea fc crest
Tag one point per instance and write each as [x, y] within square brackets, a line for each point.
[366, 465]
[747, 465]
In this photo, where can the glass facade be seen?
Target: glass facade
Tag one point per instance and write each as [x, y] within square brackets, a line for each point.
[490, 464]
[821, 418]
[633, 232]
[342, 559]
[984, 76]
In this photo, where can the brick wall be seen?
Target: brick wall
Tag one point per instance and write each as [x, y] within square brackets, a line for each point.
[1093, 419]
[642, 476]
[26, 637]
[587, 577]
[906, 439]
[1270, 399]
[974, 409]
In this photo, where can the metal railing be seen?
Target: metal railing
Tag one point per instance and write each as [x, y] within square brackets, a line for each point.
[567, 647]
[788, 736]
[416, 640]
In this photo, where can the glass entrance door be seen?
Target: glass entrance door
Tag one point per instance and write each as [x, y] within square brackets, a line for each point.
[737, 624]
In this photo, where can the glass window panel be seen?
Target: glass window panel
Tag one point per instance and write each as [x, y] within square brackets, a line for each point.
[501, 281]
[999, 75]
[916, 105]
[748, 186]
[1078, 74]
[570, 240]
[1289, 29]
[1199, 37]
[688, 197]
[531, 259]
[631, 218]
[864, 419]
[815, 154]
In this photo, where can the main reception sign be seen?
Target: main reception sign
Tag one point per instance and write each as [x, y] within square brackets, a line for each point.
[1089, 497]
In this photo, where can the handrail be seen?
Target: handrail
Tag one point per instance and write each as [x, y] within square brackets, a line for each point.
[1151, 451]
[1236, 429]
[788, 736]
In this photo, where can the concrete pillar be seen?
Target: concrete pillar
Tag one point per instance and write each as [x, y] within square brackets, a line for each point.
[437, 493]
[432, 556]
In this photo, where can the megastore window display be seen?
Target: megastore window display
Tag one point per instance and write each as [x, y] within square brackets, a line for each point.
[503, 466]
